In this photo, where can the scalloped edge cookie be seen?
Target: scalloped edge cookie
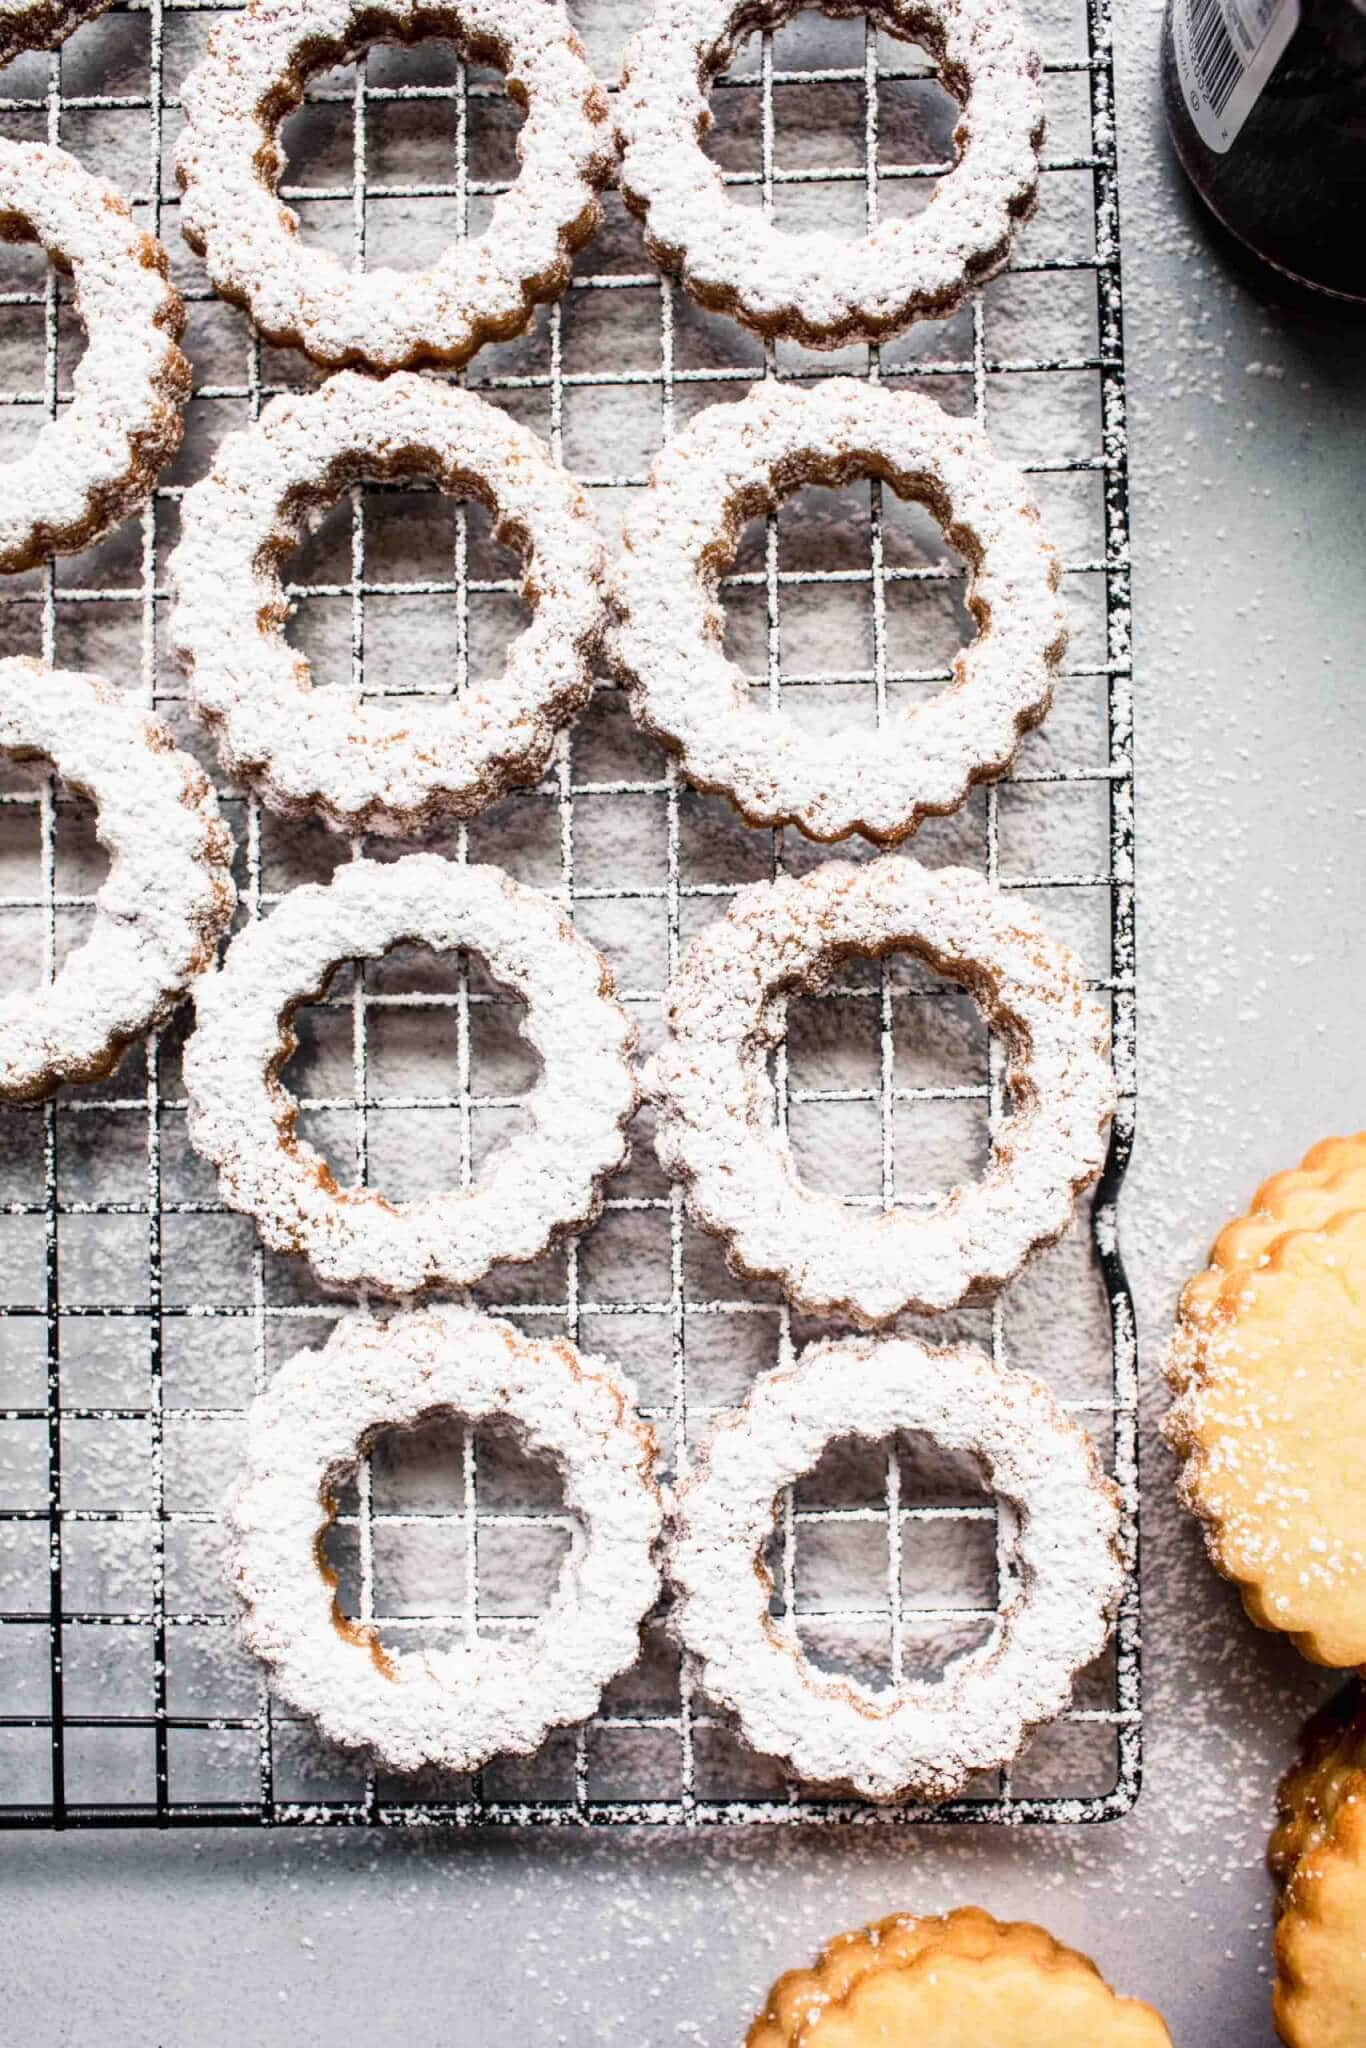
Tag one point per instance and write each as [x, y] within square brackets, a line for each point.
[484, 288]
[1317, 1856]
[99, 459]
[457, 1706]
[1269, 1371]
[943, 1981]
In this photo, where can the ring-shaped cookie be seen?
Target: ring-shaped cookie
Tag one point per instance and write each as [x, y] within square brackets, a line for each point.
[821, 288]
[715, 1127]
[485, 288]
[735, 461]
[543, 1181]
[162, 907]
[42, 24]
[1061, 1538]
[99, 458]
[370, 765]
[454, 1707]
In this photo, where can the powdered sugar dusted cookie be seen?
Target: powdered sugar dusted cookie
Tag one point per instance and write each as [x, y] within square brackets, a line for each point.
[734, 461]
[1268, 1363]
[99, 458]
[1329, 1179]
[1057, 1606]
[821, 288]
[543, 1181]
[229, 163]
[715, 1126]
[42, 24]
[372, 765]
[455, 1707]
[944, 1981]
[1318, 1858]
[164, 903]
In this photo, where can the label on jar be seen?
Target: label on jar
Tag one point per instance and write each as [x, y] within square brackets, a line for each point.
[1225, 51]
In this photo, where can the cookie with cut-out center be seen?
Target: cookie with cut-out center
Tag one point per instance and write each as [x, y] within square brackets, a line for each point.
[480, 288]
[98, 458]
[946, 1982]
[1061, 1566]
[823, 289]
[1318, 1857]
[452, 1704]
[159, 913]
[42, 24]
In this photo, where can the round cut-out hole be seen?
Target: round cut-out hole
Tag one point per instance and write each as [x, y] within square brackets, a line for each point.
[410, 1071]
[417, 198]
[446, 1533]
[884, 1561]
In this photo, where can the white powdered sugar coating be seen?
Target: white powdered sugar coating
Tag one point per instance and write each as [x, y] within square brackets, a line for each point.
[99, 458]
[454, 1707]
[542, 1181]
[715, 1125]
[1061, 1539]
[820, 288]
[735, 461]
[484, 288]
[161, 909]
[42, 24]
[366, 765]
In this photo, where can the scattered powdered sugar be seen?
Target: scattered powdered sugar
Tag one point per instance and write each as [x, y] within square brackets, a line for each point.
[1062, 1538]
[458, 1706]
[541, 1182]
[735, 461]
[389, 766]
[820, 288]
[483, 288]
[715, 1126]
[164, 904]
[98, 459]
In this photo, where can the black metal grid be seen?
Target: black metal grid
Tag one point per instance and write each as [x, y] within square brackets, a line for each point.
[51, 611]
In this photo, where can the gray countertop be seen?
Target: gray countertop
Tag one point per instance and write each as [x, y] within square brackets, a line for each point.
[1249, 473]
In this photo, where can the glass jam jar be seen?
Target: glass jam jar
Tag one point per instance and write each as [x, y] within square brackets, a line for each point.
[1266, 100]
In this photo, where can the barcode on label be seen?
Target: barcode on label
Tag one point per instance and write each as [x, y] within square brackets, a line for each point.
[1216, 61]
[1226, 52]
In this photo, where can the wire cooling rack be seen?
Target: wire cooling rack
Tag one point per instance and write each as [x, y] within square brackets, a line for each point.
[138, 1316]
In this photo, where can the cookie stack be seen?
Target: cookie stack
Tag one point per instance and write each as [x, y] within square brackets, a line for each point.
[1268, 1365]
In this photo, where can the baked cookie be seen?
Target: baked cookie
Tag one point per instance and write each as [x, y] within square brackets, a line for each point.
[546, 1179]
[458, 1705]
[716, 1128]
[1318, 1858]
[1269, 1368]
[482, 288]
[42, 24]
[1331, 1177]
[396, 764]
[963, 1978]
[823, 289]
[100, 457]
[1060, 1549]
[165, 903]
[734, 461]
